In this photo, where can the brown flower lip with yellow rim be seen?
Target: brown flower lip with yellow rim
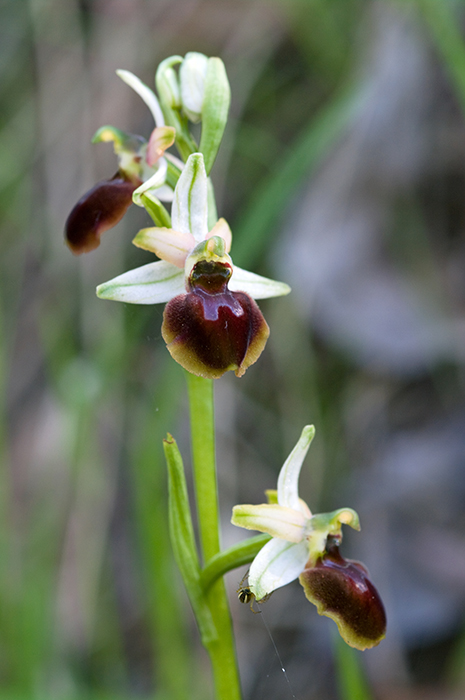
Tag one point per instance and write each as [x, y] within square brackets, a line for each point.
[341, 590]
[211, 330]
[98, 210]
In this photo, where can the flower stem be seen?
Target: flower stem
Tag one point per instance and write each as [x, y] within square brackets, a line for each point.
[221, 650]
[239, 554]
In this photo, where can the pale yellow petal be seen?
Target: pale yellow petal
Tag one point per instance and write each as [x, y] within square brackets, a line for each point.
[172, 246]
[284, 523]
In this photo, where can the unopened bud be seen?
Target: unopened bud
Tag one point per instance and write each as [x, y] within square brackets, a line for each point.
[167, 83]
[192, 77]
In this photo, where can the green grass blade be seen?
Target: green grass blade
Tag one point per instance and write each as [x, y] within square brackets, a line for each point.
[270, 202]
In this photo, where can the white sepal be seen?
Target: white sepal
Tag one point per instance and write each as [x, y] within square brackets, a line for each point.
[189, 210]
[277, 564]
[258, 287]
[155, 283]
[145, 93]
[288, 480]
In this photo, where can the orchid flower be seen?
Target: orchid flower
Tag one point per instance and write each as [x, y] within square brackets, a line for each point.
[211, 322]
[142, 170]
[306, 546]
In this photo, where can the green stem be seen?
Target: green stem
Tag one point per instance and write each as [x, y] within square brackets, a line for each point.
[221, 650]
[239, 554]
[204, 462]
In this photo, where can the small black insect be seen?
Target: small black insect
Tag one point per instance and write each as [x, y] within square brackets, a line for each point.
[245, 595]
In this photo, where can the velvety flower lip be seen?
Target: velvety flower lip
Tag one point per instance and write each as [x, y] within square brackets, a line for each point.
[341, 590]
[101, 208]
[298, 549]
[211, 322]
[211, 330]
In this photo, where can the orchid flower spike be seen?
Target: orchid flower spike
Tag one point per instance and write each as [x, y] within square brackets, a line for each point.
[142, 169]
[306, 546]
[211, 322]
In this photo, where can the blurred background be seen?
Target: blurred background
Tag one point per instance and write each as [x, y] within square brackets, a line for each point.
[342, 172]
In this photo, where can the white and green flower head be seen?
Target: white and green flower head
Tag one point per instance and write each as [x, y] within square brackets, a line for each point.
[306, 546]
[211, 322]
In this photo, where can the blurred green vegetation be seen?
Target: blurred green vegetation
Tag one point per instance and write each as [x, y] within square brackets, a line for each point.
[91, 605]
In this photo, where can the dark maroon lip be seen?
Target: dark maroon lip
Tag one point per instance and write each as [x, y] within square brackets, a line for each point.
[217, 304]
[342, 590]
[210, 332]
[98, 210]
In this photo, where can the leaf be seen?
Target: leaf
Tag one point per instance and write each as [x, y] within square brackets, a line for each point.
[183, 540]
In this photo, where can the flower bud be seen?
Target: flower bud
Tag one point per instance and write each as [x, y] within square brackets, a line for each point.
[211, 330]
[167, 83]
[342, 591]
[192, 78]
[99, 209]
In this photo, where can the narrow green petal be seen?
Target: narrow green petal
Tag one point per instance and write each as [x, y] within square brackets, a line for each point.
[153, 183]
[155, 208]
[155, 283]
[288, 480]
[256, 286]
[324, 524]
[122, 141]
[189, 210]
[277, 564]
